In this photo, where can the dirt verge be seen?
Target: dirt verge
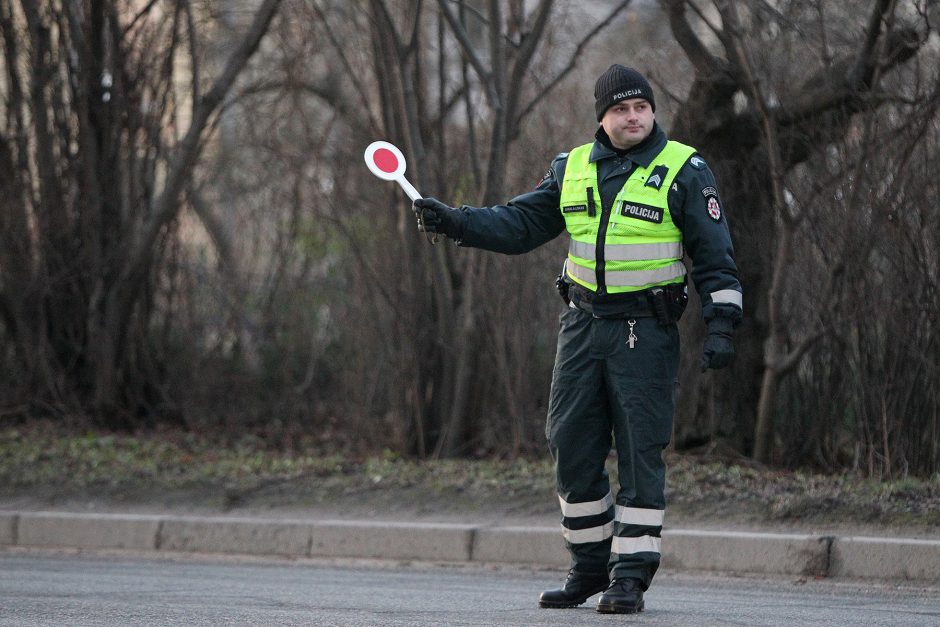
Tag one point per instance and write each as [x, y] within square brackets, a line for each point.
[48, 468]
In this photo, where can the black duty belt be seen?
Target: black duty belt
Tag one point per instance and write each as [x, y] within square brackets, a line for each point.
[630, 305]
[663, 303]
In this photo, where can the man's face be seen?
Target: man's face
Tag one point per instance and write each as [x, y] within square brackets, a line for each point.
[628, 122]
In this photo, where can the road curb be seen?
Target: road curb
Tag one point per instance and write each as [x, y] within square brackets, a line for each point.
[520, 545]
[87, 531]
[392, 540]
[762, 553]
[234, 535]
[8, 524]
[888, 559]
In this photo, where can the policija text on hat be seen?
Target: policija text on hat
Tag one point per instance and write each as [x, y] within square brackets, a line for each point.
[633, 203]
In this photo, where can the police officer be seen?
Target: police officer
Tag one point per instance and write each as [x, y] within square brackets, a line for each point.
[633, 203]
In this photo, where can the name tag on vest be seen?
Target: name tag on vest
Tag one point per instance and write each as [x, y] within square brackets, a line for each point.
[574, 208]
[642, 212]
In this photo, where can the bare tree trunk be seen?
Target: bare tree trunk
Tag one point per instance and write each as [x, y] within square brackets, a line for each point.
[122, 298]
[818, 112]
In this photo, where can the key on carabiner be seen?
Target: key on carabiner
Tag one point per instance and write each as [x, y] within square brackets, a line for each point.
[631, 339]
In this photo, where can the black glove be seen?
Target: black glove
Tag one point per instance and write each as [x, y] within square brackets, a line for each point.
[718, 350]
[436, 217]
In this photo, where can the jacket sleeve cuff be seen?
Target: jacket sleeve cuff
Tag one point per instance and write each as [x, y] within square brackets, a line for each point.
[721, 326]
[715, 311]
[461, 224]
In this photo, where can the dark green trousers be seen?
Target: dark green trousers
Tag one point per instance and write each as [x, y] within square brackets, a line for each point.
[605, 393]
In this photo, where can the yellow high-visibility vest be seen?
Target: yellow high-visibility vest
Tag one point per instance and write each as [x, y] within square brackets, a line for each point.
[641, 246]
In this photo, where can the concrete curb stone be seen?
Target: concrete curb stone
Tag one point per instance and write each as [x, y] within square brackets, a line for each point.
[886, 559]
[235, 535]
[764, 553]
[87, 531]
[8, 525]
[520, 545]
[392, 540]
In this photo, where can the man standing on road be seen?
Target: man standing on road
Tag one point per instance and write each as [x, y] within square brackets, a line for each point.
[632, 203]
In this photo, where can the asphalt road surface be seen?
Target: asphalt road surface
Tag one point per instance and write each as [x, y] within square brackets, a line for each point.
[49, 588]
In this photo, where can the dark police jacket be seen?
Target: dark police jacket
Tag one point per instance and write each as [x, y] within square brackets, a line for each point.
[534, 218]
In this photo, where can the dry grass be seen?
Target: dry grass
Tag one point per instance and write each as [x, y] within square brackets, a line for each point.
[54, 465]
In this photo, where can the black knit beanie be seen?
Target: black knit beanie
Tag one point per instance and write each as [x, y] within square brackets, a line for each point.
[620, 83]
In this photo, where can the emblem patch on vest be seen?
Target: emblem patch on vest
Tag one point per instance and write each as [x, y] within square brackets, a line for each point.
[574, 208]
[657, 177]
[642, 212]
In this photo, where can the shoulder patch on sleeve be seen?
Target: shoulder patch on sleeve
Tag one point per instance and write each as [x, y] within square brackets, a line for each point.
[697, 162]
[552, 172]
[712, 206]
[548, 175]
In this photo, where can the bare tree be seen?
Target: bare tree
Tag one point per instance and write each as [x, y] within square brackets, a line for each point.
[789, 115]
[102, 147]
[420, 364]
[434, 69]
[179, 244]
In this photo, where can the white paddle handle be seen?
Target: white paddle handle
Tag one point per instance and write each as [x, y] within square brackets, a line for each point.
[409, 188]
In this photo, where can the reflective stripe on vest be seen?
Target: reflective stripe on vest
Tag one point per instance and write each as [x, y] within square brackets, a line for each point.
[638, 279]
[628, 252]
[642, 247]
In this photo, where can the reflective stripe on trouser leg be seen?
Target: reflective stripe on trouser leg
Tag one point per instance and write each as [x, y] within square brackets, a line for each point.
[643, 385]
[578, 431]
[637, 548]
[587, 522]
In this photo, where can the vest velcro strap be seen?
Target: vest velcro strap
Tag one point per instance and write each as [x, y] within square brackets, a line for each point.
[629, 278]
[628, 252]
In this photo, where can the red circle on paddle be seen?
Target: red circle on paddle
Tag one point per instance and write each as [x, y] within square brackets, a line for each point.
[385, 160]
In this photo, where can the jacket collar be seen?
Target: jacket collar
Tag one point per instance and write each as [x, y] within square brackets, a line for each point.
[642, 154]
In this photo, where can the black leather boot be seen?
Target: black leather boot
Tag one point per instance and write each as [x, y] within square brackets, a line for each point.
[578, 587]
[623, 596]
